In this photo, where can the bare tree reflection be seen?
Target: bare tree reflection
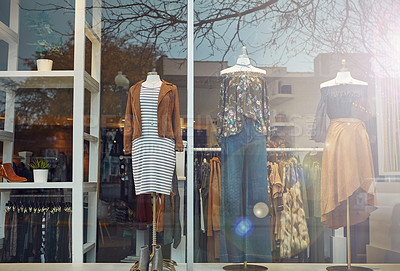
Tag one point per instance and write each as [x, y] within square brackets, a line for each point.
[283, 28]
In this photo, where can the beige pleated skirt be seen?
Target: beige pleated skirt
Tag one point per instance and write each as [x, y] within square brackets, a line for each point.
[347, 173]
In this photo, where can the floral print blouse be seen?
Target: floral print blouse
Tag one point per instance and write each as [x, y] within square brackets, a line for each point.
[242, 95]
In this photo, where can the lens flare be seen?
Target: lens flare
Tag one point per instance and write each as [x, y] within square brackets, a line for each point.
[261, 210]
[243, 227]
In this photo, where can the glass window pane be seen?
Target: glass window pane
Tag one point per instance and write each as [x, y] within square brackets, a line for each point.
[292, 100]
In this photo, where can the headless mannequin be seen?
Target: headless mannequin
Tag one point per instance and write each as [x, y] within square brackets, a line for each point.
[243, 65]
[343, 77]
[152, 80]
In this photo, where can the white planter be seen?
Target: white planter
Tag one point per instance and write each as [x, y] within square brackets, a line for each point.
[44, 64]
[40, 175]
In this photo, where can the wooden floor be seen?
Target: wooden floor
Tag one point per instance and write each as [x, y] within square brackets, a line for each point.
[180, 267]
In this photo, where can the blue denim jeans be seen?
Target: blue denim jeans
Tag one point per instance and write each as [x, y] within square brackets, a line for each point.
[243, 184]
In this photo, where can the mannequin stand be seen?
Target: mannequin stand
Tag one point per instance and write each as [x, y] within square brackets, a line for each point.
[167, 263]
[245, 266]
[348, 267]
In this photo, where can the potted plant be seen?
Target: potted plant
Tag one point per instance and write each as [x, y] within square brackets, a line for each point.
[44, 63]
[48, 45]
[40, 171]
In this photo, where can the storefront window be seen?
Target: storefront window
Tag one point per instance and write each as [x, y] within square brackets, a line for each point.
[296, 133]
[286, 133]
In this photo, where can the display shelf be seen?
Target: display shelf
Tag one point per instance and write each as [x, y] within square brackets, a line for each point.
[91, 34]
[78, 80]
[30, 185]
[279, 98]
[88, 246]
[90, 138]
[44, 79]
[282, 124]
[8, 34]
[87, 187]
[6, 136]
[90, 187]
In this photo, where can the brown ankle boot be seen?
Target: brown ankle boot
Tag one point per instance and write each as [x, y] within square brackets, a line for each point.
[7, 172]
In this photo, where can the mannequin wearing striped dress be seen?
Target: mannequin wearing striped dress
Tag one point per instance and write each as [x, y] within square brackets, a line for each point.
[153, 157]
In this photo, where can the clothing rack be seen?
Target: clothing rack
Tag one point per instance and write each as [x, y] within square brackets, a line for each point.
[270, 149]
[38, 196]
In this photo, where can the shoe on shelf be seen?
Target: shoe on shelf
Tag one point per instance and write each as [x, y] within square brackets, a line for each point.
[7, 172]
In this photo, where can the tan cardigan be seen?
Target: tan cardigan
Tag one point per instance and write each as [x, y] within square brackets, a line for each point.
[169, 125]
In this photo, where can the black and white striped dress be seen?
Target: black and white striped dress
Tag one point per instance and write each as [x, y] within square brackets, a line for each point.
[153, 157]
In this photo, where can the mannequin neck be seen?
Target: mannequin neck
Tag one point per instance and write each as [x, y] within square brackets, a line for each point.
[344, 77]
[152, 80]
[243, 60]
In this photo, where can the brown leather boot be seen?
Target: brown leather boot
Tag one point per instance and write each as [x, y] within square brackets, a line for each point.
[7, 172]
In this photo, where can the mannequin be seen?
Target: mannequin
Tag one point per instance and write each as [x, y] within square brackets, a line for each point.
[344, 101]
[243, 127]
[347, 173]
[343, 77]
[243, 65]
[152, 134]
[152, 80]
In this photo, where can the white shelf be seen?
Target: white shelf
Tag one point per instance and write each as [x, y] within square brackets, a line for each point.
[90, 138]
[91, 84]
[7, 34]
[282, 124]
[280, 98]
[88, 187]
[6, 136]
[44, 79]
[30, 185]
[77, 81]
[90, 34]
[87, 247]
[30, 74]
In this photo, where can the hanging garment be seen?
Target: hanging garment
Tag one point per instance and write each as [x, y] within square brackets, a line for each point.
[347, 166]
[201, 196]
[294, 238]
[153, 157]
[286, 214]
[214, 211]
[300, 237]
[276, 191]
[34, 230]
[144, 211]
[312, 178]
